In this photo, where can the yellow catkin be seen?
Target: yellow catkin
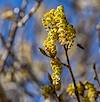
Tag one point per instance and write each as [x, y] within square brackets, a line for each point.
[56, 75]
[71, 89]
[47, 90]
[66, 32]
[91, 92]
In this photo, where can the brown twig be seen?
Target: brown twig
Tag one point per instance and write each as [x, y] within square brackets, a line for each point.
[96, 75]
[2, 39]
[71, 73]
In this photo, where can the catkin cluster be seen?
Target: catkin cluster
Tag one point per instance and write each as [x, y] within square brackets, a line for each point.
[71, 89]
[49, 24]
[86, 90]
[58, 29]
[92, 93]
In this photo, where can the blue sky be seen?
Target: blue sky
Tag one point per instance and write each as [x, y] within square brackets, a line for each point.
[70, 13]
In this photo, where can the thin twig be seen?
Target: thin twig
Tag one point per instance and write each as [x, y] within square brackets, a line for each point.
[2, 39]
[72, 75]
[96, 75]
[57, 98]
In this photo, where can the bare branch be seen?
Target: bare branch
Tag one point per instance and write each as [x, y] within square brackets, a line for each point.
[72, 75]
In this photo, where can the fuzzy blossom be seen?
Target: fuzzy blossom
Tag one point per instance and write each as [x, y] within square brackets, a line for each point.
[71, 89]
[81, 88]
[47, 90]
[92, 93]
[57, 71]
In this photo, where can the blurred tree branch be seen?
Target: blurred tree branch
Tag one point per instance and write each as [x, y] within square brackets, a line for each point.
[8, 51]
[13, 31]
[3, 97]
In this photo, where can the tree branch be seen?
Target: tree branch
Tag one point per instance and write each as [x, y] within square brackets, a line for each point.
[72, 75]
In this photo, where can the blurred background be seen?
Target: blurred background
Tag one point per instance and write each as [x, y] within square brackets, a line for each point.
[24, 70]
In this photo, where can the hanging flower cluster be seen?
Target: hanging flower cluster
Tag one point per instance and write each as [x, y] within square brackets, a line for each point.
[49, 24]
[86, 90]
[57, 70]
